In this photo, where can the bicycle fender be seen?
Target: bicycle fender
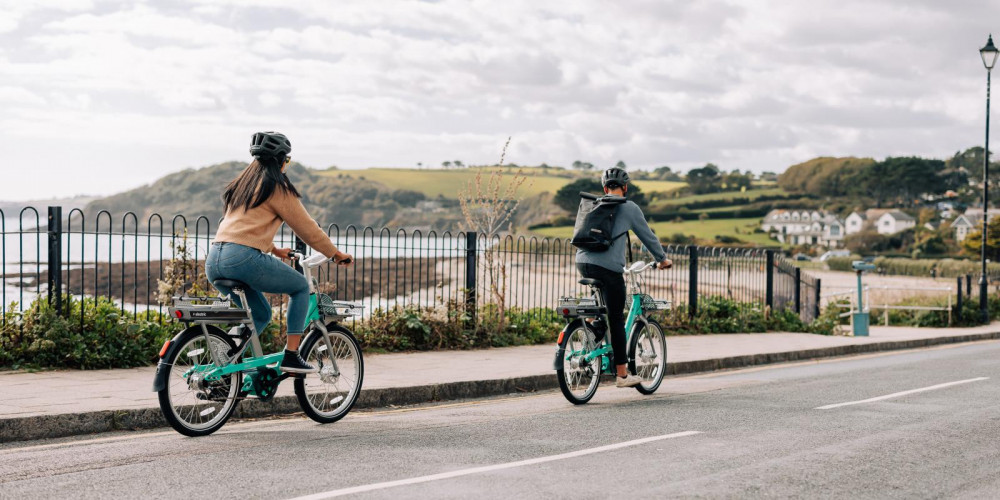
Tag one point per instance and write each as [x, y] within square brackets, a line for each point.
[162, 368]
[557, 363]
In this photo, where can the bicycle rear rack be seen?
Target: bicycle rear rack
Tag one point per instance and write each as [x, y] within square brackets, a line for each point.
[572, 307]
[208, 310]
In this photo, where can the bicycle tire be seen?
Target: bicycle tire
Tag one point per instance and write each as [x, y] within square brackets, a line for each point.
[172, 406]
[322, 404]
[569, 379]
[651, 373]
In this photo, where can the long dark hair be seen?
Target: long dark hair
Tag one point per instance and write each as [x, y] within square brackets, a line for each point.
[257, 183]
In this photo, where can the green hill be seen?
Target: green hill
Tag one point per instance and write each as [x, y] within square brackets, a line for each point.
[448, 183]
[197, 192]
[704, 230]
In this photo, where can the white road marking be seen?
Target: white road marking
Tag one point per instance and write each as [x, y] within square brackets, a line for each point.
[489, 468]
[904, 393]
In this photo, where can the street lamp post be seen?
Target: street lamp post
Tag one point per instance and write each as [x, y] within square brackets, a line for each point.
[989, 55]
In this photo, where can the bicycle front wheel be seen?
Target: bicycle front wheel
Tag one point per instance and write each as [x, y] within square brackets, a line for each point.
[647, 355]
[578, 378]
[191, 404]
[328, 395]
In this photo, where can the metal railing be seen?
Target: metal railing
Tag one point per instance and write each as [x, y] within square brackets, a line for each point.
[847, 299]
[123, 258]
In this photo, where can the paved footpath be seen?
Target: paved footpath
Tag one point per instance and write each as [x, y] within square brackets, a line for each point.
[66, 402]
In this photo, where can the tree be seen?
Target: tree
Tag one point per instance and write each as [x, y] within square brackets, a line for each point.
[568, 196]
[665, 173]
[620, 164]
[900, 180]
[582, 165]
[488, 206]
[926, 215]
[457, 163]
[446, 164]
[824, 176]
[972, 244]
[736, 181]
[705, 179]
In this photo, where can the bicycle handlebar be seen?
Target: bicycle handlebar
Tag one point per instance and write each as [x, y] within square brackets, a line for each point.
[313, 261]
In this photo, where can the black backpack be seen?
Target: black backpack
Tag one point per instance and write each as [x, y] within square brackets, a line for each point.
[595, 220]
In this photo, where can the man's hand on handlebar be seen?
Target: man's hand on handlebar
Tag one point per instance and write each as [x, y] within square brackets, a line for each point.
[665, 264]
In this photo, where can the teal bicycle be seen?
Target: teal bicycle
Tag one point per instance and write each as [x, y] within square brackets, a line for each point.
[204, 372]
[581, 360]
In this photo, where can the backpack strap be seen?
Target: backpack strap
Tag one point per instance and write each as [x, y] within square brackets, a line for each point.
[629, 246]
[626, 235]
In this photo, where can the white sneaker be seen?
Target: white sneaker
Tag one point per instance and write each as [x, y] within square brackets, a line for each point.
[629, 381]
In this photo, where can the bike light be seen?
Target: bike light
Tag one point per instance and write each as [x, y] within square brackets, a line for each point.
[178, 314]
[565, 312]
[166, 345]
[558, 341]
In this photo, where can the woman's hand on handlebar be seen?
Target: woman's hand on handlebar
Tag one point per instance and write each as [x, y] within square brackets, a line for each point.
[282, 253]
[665, 264]
[343, 259]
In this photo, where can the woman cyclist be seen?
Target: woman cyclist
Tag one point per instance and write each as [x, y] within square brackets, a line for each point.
[608, 266]
[257, 201]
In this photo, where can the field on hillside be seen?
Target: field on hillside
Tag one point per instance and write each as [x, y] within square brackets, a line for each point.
[706, 230]
[752, 194]
[449, 182]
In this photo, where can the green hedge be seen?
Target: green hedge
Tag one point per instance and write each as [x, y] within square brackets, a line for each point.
[110, 338]
[105, 338]
[943, 268]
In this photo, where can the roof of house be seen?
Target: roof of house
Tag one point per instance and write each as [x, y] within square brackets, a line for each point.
[962, 220]
[899, 216]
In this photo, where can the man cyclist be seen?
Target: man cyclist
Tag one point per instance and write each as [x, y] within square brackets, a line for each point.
[608, 266]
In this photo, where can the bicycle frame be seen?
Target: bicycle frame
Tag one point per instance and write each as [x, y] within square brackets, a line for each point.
[635, 314]
[222, 368]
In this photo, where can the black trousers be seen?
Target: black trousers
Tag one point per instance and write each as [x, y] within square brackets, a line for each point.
[614, 299]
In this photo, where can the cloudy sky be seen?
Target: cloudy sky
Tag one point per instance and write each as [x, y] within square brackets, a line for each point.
[100, 96]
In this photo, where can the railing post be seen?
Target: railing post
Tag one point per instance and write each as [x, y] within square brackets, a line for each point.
[769, 288]
[959, 301]
[55, 256]
[798, 290]
[470, 275]
[818, 308]
[968, 285]
[692, 280]
[300, 247]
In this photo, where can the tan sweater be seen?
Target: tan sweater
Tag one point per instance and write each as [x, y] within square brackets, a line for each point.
[256, 227]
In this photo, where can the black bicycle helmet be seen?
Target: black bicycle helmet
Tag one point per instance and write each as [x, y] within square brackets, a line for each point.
[270, 144]
[614, 175]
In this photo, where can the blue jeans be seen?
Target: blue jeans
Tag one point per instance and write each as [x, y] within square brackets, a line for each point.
[263, 273]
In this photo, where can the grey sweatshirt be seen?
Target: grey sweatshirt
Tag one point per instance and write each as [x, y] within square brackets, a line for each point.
[629, 217]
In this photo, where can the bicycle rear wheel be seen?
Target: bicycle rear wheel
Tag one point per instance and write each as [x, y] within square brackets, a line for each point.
[647, 355]
[329, 395]
[192, 405]
[578, 378]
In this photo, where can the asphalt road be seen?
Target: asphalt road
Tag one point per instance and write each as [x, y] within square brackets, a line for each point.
[748, 433]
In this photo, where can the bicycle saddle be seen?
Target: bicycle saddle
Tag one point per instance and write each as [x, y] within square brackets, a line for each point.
[230, 284]
[591, 282]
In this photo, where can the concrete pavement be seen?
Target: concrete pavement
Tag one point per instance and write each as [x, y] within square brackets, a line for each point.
[755, 432]
[57, 403]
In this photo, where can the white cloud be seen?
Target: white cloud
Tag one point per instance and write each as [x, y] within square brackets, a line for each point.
[745, 85]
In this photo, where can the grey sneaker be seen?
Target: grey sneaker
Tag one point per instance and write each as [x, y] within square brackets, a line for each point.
[293, 363]
[629, 381]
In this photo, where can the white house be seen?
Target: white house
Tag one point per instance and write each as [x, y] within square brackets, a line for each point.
[970, 220]
[885, 221]
[804, 227]
[894, 222]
